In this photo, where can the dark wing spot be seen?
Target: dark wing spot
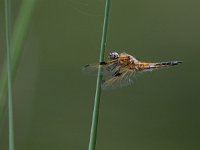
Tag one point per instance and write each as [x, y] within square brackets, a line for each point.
[103, 63]
[86, 65]
[117, 73]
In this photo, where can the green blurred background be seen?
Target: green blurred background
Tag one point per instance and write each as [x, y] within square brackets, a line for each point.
[53, 99]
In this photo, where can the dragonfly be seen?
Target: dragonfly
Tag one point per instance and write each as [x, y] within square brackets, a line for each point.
[120, 69]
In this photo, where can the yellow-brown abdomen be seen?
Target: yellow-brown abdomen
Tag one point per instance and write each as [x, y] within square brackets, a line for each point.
[150, 66]
[143, 66]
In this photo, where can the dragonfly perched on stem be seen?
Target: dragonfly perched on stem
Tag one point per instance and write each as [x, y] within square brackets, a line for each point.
[120, 69]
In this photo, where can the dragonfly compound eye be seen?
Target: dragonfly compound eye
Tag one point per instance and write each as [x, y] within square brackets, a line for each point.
[113, 55]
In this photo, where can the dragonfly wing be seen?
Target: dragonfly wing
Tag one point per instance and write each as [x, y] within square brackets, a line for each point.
[119, 79]
[107, 68]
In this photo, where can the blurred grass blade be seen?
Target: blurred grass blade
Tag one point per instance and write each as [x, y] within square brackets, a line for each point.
[9, 74]
[16, 47]
[93, 133]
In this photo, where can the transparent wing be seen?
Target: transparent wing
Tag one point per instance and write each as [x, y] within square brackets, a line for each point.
[123, 78]
[108, 68]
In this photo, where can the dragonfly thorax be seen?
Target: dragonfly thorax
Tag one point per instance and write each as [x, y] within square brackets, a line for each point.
[133, 59]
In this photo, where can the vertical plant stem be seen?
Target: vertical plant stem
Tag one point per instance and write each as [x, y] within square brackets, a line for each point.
[93, 133]
[16, 48]
[9, 74]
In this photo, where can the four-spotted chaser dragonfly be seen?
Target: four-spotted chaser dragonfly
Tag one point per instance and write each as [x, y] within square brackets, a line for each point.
[119, 69]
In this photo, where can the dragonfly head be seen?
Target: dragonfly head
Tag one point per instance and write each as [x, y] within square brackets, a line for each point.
[113, 55]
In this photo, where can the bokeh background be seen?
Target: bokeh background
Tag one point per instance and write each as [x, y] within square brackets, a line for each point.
[53, 99]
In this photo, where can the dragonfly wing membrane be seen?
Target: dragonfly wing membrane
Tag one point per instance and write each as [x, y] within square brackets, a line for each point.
[120, 79]
[107, 68]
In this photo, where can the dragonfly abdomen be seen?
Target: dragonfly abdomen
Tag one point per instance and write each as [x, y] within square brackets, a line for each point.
[142, 66]
[167, 64]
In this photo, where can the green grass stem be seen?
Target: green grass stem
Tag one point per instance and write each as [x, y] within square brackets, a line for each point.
[9, 74]
[93, 133]
[16, 47]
